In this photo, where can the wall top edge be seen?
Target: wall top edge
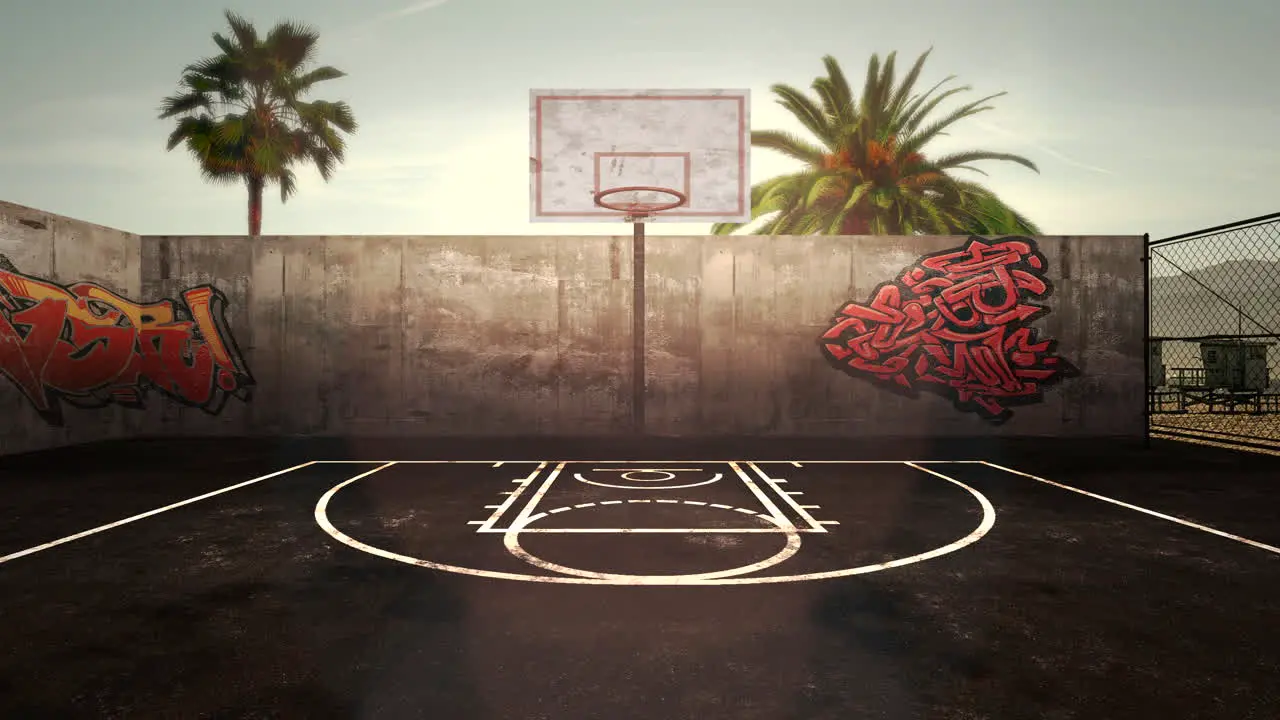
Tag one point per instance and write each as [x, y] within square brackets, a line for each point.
[408, 236]
[23, 212]
[43, 218]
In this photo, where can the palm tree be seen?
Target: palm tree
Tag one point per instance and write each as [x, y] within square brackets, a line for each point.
[868, 173]
[241, 113]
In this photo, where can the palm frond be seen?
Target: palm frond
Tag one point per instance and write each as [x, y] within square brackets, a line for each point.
[922, 107]
[291, 44]
[919, 138]
[245, 34]
[840, 91]
[804, 109]
[900, 96]
[961, 159]
[836, 223]
[788, 144]
[304, 82]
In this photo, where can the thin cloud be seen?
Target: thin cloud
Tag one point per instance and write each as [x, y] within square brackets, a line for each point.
[404, 12]
[413, 9]
[1042, 148]
[360, 31]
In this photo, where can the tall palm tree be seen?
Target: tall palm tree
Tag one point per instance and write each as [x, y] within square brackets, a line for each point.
[241, 113]
[868, 174]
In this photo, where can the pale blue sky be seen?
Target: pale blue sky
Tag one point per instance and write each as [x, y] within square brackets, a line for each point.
[1144, 115]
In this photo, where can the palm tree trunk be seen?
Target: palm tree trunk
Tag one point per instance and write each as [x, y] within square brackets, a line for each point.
[256, 185]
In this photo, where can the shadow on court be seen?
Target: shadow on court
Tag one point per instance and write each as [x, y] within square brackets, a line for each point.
[240, 605]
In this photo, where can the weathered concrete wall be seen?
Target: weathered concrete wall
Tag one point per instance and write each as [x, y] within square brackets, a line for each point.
[63, 251]
[531, 335]
[419, 336]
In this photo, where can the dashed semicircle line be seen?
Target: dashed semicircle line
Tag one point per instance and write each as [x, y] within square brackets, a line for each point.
[556, 511]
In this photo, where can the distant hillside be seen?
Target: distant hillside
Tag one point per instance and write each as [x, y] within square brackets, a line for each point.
[1245, 299]
[1182, 307]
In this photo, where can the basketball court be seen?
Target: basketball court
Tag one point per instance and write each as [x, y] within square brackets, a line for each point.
[560, 587]
[637, 577]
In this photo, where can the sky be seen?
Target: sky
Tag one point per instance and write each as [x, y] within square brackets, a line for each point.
[1144, 116]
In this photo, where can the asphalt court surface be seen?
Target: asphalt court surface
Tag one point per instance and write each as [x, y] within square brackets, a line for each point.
[658, 522]
[242, 604]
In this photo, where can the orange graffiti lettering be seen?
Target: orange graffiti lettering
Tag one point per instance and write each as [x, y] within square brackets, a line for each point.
[89, 347]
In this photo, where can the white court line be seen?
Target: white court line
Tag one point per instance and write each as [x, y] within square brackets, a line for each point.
[652, 531]
[512, 495]
[801, 510]
[988, 521]
[147, 514]
[783, 521]
[523, 517]
[1153, 513]
[651, 462]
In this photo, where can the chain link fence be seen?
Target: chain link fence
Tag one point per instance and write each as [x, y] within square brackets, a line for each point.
[1213, 345]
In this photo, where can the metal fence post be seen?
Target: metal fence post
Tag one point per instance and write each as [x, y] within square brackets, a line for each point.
[1148, 392]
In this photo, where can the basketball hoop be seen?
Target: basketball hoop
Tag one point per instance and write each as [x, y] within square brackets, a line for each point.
[638, 211]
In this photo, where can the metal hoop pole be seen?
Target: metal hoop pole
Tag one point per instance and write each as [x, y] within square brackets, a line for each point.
[639, 381]
[636, 214]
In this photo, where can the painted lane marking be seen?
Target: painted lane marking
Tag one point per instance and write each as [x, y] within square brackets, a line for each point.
[525, 482]
[652, 462]
[149, 513]
[764, 499]
[984, 527]
[745, 511]
[511, 541]
[1153, 513]
[582, 479]
[512, 496]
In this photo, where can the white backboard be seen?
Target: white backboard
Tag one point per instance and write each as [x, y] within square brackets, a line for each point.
[694, 141]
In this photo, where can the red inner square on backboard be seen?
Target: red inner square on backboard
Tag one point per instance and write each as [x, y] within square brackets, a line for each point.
[657, 169]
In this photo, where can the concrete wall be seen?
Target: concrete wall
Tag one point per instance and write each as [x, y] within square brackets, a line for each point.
[64, 251]
[405, 336]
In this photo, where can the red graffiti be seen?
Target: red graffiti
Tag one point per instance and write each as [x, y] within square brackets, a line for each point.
[956, 323]
[89, 347]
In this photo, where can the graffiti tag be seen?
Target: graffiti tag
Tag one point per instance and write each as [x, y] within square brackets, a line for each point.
[88, 347]
[957, 323]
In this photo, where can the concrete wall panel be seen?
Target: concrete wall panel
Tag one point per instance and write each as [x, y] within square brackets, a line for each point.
[422, 336]
[48, 248]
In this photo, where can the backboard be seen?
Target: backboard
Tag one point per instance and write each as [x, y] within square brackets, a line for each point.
[694, 141]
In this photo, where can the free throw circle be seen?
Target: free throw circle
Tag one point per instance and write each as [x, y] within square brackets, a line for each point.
[511, 540]
[631, 475]
[984, 526]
